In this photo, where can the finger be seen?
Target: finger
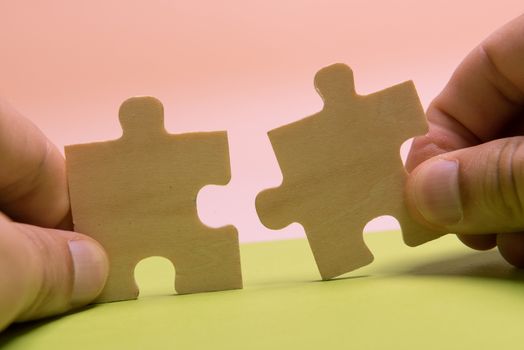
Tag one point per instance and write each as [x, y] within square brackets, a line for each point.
[46, 271]
[33, 186]
[479, 242]
[473, 190]
[483, 96]
[511, 247]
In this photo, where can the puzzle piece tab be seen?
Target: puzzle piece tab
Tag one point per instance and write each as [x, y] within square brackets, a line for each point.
[341, 168]
[137, 196]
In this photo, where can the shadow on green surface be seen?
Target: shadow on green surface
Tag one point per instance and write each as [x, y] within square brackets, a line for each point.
[342, 278]
[13, 332]
[478, 264]
[17, 330]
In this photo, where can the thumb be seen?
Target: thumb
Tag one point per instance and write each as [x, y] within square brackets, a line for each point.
[46, 271]
[473, 190]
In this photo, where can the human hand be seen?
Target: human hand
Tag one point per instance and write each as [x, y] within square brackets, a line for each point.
[45, 270]
[467, 173]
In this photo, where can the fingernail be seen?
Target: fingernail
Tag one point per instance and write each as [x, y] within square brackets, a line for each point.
[437, 192]
[91, 269]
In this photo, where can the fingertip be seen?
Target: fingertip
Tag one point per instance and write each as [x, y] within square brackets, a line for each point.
[421, 149]
[433, 192]
[479, 242]
[90, 269]
[511, 247]
[63, 270]
[66, 223]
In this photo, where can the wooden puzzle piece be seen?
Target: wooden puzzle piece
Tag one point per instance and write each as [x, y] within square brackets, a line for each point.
[341, 168]
[137, 196]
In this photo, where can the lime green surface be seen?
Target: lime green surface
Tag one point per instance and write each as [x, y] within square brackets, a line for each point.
[438, 296]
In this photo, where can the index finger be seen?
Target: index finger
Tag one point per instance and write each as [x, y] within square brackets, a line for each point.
[33, 186]
[482, 98]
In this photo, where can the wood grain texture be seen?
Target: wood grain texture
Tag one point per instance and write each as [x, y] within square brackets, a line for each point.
[137, 196]
[341, 168]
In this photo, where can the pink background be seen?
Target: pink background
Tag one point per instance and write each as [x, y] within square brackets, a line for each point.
[241, 66]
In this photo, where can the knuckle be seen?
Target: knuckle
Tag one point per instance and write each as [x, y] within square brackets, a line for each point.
[509, 180]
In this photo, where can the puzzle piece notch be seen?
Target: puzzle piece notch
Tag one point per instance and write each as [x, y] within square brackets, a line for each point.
[341, 168]
[137, 196]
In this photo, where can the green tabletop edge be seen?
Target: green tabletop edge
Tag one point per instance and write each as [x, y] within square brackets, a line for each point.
[439, 295]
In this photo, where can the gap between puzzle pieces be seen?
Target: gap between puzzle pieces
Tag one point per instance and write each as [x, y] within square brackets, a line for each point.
[137, 195]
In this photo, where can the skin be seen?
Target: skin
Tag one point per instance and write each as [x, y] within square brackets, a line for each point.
[39, 275]
[477, 122]
[471, 122]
